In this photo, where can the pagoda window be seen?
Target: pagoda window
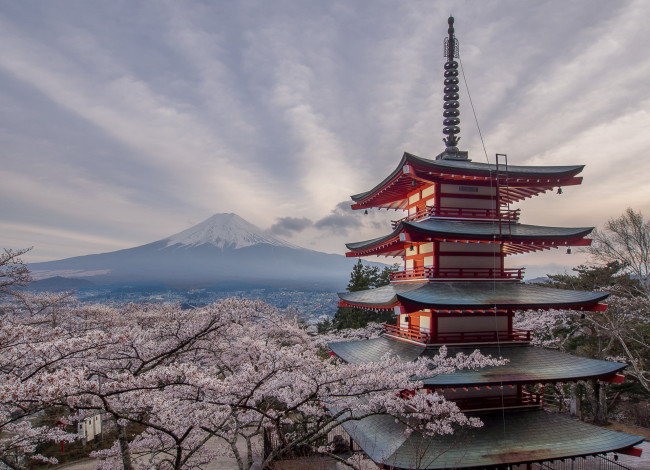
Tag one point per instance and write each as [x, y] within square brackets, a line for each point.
[472, 325]
[428, 260]
[480, 197]
[404, 321]
[474, 248]
[414, 198]
[482, 262]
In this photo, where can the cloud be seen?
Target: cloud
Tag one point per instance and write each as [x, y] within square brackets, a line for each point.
[123, 122]
[287, 226]
[341, 220]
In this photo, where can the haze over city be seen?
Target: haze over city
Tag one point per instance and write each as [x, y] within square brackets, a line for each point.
[127, 122]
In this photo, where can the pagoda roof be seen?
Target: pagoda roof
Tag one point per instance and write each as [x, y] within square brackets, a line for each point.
[506, 438]
[526, 364]
[516, 183]
[471, 295]
[518, 238]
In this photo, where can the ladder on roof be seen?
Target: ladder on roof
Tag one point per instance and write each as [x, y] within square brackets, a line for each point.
[502, 169]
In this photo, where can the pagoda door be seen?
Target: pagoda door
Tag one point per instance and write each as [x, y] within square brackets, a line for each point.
[418, 266]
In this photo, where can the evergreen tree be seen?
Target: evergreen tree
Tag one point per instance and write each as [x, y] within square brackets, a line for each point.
[360, 277]
[364, 277]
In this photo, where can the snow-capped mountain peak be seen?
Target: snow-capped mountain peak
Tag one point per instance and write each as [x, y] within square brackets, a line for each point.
[225, 231]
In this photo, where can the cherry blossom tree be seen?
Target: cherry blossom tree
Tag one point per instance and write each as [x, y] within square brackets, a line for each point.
[235, 368]
[39, 365]
[621, 333]
[226, 371]
[35, 360]
[13, 271]
[625, 240]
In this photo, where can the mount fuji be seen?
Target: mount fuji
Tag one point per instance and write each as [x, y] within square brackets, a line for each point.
[225, 231]
[224, 249]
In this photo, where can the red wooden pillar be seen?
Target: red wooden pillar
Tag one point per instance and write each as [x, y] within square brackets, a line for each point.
[436, 197]
[436, 258]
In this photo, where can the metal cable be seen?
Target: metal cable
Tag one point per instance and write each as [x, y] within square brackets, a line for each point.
[462, 70]
[498, 209]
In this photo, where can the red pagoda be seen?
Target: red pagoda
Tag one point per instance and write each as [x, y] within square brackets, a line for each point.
[455, 290]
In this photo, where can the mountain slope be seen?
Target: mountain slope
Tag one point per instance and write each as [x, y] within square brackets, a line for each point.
[224, 231]
[223, 248]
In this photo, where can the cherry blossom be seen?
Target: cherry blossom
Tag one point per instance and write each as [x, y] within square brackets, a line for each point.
[225, 371]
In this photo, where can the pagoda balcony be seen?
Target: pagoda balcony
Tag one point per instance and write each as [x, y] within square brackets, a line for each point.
[415, 335]
[526, 400]
[445, 274]
[460, 213]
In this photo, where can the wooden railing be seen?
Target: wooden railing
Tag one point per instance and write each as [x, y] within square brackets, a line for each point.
[415, 334]
[461, 213]
[463, 273]
[482, 336]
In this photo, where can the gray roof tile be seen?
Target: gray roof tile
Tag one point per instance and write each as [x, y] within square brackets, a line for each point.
[476, 230]
[527, 364]
[473, 294]
[475, 168]
[505, 438]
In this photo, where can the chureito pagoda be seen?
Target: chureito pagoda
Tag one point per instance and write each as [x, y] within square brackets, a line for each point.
[454, 289]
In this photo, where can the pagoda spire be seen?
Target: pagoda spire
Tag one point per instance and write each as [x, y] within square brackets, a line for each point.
[451, 113]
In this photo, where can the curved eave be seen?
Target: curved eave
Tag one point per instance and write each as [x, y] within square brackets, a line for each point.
[384, 297]
[376, 245]
[507, 438]
[386, 307]
[474, 295]
[517, 238]
[372, 350]
[488, 230]
[487, 295]
[526, 364]
[520, 183]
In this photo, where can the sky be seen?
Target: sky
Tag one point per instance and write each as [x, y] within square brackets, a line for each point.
[125, 122]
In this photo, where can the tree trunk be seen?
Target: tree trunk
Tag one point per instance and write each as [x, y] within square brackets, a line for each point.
[576, 403]
[597, 399]
[124, 445]
[249, 449]
[602, 403]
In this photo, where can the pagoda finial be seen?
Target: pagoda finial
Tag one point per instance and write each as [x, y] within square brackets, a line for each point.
[451, 113]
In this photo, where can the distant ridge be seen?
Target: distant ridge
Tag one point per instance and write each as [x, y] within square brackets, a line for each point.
[222, 249]
[58, 283]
